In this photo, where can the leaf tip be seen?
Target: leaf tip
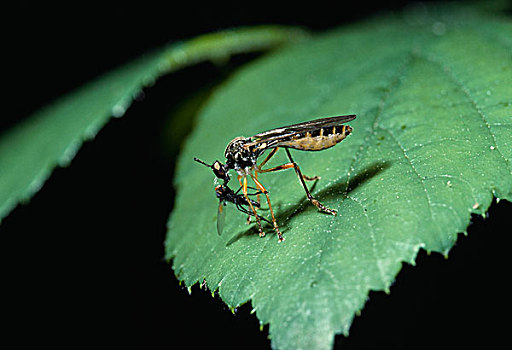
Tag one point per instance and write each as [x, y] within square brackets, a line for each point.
[118, 110]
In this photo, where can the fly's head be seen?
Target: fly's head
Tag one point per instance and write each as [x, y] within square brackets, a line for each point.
[223, 192]
[221, 171]
[220, 191]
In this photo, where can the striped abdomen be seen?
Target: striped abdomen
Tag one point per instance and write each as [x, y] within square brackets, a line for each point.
[316, 140]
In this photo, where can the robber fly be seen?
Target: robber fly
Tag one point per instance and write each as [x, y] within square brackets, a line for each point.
[242, 154]
[226, 194]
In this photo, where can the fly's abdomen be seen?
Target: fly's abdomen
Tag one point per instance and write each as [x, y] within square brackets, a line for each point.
[317, 140]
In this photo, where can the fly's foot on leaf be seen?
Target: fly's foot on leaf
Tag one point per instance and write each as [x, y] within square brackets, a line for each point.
[323, 208]
[313, 178]
[331, 211]
[279, 234]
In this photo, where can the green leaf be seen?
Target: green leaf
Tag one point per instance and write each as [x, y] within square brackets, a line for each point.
[431, 145]
[53, 135]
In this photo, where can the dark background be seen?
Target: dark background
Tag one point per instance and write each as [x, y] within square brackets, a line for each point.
[82, 262]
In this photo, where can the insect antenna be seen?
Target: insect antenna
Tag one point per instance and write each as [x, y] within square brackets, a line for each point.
[200, 161]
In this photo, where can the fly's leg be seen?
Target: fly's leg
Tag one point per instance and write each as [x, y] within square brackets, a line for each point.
[267, 158]
[257, 200]
[244, 190]
[315, 202]
[255, 208]
[265, 192]
[294, 165]
[257, 193]
[270, 155]
[243, 210]
[307, 178]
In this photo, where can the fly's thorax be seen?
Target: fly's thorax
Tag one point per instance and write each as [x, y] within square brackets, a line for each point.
[238, 156]
[234, 146]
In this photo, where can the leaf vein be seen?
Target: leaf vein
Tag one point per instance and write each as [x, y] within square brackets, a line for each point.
[420, 177]
[460, 178]
[433, 142]
[359, 154]
[449, 73]
[378, 261]
[243, 278]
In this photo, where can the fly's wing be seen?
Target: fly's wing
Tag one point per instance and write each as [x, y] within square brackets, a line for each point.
[304, 126]
[273, 138]
[221, 216]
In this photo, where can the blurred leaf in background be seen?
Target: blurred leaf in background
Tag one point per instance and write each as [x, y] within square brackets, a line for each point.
[52, 136]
